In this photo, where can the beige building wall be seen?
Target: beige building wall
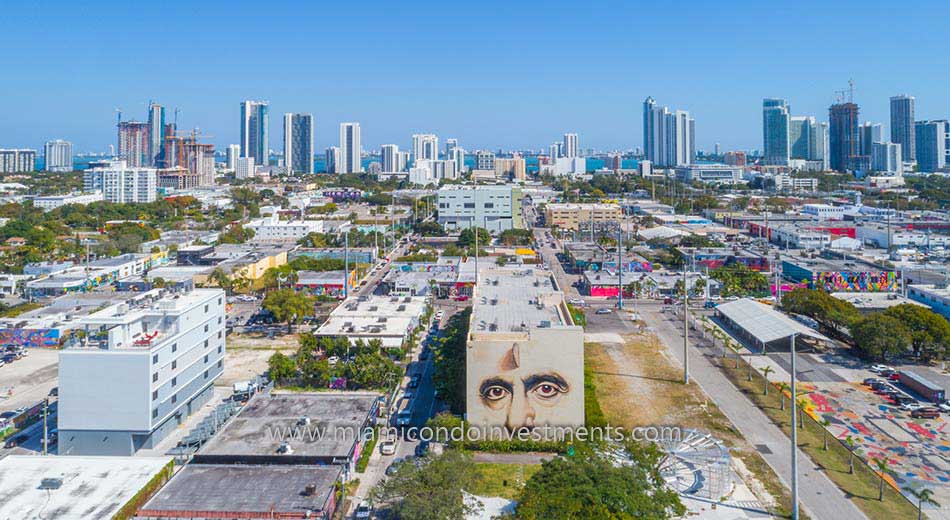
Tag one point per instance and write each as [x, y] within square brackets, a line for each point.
[514, 168]
[570, 216]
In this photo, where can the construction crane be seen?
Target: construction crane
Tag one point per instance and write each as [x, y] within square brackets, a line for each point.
[849, 92]
[118, 112]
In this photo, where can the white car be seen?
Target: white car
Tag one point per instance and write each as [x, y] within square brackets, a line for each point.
[387, 447]
[910, 407]
[439, 315]
[576, 301]
[877, 369]
[364, 510]
[333, 360]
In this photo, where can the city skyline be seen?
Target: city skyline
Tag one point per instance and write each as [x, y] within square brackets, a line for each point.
[480, 111]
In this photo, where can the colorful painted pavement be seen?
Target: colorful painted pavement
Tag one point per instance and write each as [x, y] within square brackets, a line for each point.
[917, 450]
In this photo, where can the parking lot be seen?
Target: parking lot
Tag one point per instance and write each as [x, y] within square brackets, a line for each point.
[26, 381]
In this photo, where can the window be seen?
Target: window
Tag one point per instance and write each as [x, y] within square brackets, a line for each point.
[174, 399]
[206, 327]
[219, 349]
[219, 334]
[206, 309]
[174, 347]
[219, 301]
[206, 358]
[469, 205]
[219, 363]
[154, 413]
[206, 374]
[489, 205]
[174, 364]
[154, 394]
[155, 377]
[219, 320]
[174, 381]
[154, 358]
[206, 343]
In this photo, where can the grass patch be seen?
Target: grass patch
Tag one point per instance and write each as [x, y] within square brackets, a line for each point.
[641, 387]
[19, 309]
[363, 461]
[862, 486]
[577, 315]
[593, 414]
[502, 480]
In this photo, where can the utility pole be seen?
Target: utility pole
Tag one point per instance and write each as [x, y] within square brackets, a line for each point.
[45, 425]
[620, 266]
[346, 265]
[685, 329]
[794, 439]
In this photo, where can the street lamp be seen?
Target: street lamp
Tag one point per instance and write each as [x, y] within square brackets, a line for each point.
[794, 436]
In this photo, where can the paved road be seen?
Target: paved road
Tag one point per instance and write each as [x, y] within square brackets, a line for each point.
[818, 495]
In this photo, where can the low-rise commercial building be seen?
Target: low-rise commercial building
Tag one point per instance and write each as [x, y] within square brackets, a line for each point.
[272, 229]
[335, 284]
[143, 366]
[573, 216]
[390, 319]
[525, 356]
[98, 273]
[496, 208]
[51, 202]
[709, 173]
[937, 296]
[837, 275]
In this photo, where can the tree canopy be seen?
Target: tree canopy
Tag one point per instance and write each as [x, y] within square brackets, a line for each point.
[429, 487]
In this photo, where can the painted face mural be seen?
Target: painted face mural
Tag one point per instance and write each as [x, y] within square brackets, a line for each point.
[523, 385]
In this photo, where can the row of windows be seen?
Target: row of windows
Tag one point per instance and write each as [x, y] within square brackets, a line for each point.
[175, 396]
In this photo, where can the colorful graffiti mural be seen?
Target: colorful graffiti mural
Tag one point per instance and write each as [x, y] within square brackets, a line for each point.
[43, 338]
[856, 281]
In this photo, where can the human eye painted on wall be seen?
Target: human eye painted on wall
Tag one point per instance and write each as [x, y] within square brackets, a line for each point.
[523, 392]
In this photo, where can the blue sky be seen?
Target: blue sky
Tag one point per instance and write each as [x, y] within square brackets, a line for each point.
[493, 74]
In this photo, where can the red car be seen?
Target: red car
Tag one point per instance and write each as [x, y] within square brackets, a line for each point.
[925, 413]
[894, 377]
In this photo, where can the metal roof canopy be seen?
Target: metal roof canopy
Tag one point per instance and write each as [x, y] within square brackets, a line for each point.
[763, 322]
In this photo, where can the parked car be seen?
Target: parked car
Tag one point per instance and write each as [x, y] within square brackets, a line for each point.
[603, 311]
[387, 447]
[925, 413]
[364, 510]
[910, 407]
[870, 381]
[13, 442]
[944, 407]
[391, 470]
[422, 448]
[414, 381]
[877, 369]
[894, 377]
[709, 305]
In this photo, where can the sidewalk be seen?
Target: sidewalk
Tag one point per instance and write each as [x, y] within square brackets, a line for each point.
[818, 495]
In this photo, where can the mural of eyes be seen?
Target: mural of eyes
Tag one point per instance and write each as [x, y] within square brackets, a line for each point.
[495, 393]
[546, 387]
[494, 390]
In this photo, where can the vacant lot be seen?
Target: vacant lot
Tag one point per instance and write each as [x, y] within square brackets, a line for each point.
[247, 355]
[26, 381]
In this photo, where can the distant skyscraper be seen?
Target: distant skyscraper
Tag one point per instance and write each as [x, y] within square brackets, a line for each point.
[298, 143]
[244, 168]
[570, 145]
[450, 144]
[156, 131]
[232, 155]
[868, 134]
[390, 158]
[798, 137]
[17, 160]
[775, 131]
[886, 157]
[350, 149]
[425, 147]
[818, 146]
[902, 125]
[843, 135]
[59, 156]
[669, 137]
[254, 131]
[134, 144]
[458, 155]
[121, 183]
[554, 150]
[332, 160]
[932, 145]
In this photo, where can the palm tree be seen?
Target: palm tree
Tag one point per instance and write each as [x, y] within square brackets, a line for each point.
[881, 465]
[782, 387]
[923, 497]
[735, 347]
[802, 402]
[825, 423]
[849, 441]
[750, 367]
[766, 370]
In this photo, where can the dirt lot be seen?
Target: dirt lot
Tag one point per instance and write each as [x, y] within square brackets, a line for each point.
[646, 390]
[247, 355]
[26, 381]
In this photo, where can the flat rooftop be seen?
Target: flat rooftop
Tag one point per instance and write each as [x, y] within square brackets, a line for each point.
[254, 435]
[91, 487]
[515, 299]
[244, 489]
[875, 300]
[819, 264]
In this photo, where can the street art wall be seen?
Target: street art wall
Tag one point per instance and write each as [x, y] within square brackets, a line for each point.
[29, 338]
[526, 383]
[856, 281]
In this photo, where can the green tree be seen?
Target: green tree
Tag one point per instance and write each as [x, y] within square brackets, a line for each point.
[288, 307]
[589, 485]
[429, 488]
[448, 355]
[371, 371]
[879, 335]
[929, 331]
[467, 237]
[923, 497]
[280, 367]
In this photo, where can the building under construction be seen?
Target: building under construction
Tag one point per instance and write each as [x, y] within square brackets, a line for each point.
[843, 135]
[183, 153]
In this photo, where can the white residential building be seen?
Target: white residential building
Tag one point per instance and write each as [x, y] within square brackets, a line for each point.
[244, 168]
[51, 202]
[121, 184]
[59, 156]
[424, 147]
[709, 173]
[142, 368]
[17, 161]
[824, 211]
[887, 158]
[570, 145]
[350, 149]
[233, 153]
[271, 228]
